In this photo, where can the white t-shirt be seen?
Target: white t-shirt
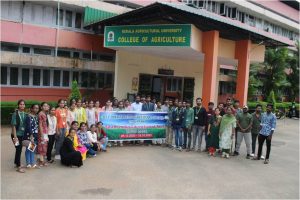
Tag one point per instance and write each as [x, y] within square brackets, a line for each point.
[136, 106]
[91, 116]
[52, 124]
[92, 136]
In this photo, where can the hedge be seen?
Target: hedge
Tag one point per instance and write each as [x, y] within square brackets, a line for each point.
[283, 105]
[7, 108]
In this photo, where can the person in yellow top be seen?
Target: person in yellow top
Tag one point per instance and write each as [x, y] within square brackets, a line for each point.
[80, 112]
[76, 143]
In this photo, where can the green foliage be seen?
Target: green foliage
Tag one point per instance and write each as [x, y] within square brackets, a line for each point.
[75, 92]
[254, 82]
[272, 99]
[7, 108]
[284, 105]
[293, 77]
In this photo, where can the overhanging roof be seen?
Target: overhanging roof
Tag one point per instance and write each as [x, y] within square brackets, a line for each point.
[174, 13]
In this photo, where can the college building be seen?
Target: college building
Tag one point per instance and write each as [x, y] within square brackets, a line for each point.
[176, 49]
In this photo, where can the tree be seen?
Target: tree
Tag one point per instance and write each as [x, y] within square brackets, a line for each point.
[254, 82]
[293, 76]
[75, 93]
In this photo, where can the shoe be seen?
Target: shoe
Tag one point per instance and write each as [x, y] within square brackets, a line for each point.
[35, 166]
[227, 155]
[223, 155]
[179, 148]
[235, 153]
[57, 157]
[28, 166]
[248, 156]
[255, 158]
[94, 155]
[20, 170]
[252, 154]
[262, 157]
[51, 161]
[266, 161]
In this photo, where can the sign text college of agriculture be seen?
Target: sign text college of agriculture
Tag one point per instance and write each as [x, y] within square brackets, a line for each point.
[148, 35]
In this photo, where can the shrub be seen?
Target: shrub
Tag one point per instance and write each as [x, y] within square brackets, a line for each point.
[75, 92]
[284, 105]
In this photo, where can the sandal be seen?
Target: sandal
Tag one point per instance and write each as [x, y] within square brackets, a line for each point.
[20, 170]
[51, 161]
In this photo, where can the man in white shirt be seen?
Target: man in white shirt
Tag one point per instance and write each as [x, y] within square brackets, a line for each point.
[137, 105]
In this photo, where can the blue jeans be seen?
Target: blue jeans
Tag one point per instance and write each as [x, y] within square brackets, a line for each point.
[104, 144]
[59, 140]
[178, 137]
[90, 149]
[198, 133]
[29, 157]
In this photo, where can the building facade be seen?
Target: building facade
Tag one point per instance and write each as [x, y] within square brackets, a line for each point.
[46, 45]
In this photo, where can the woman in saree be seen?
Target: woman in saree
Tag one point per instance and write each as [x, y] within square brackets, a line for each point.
[77, 145]
[213, 132]
[227, 130]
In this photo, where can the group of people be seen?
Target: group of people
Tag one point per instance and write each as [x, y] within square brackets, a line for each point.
[76, 131]
[67, 130]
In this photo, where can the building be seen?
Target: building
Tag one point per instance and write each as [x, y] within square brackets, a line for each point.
[217, 42]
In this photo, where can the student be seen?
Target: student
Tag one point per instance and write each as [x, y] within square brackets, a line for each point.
[256, 120]
[120, 106]
[69, 156]
[80, 112]
[77, 145]
[127, 106]
[169, 132]
[221, 108]
[84, 104]
[90, 114]
[268, 125]
[61, 128]
[115, 103]
[107, 106]
[227, 131]
[188, 123]
[52, 123]
[165, 106]
[92, 138]
[102, 136]
[31, 135]
[244, 125]
[97, 110]
[210, 113]
[213, 132]
[158, 107]
[148, 106]
[83, 138]
[43, 134]
[200, 117]
[71, 116]
[177, 124]
[137, 105]
[18, 128]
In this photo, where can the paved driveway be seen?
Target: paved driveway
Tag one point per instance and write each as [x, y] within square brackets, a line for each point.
[157, 172]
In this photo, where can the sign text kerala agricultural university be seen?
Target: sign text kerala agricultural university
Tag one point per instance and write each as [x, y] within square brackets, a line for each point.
[148, 35]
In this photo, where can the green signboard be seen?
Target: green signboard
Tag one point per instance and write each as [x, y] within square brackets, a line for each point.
[148, 35]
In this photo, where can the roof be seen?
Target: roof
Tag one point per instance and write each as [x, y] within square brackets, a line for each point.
[174, 13]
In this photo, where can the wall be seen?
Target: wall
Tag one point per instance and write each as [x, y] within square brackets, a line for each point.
[257, 53]
[129, 65]
[226, 48]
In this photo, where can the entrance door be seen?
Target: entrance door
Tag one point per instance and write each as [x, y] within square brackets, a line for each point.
[157, 88]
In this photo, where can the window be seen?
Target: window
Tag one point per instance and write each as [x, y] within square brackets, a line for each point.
[66, 78]
[56, 78]
[14, 76]
[84, 79]
[3, 75]
[68, 21]
[76, 54]
[78, 19]
[9, 47]
[25, 76]
[93, 79]
[94, 56]
[61, 53]
[36, 77]
[61, 17]
[100, 80]
[42, 51]
[86, 56]
[107, 58]
[46, 77]
[76, 76]
[109, 80]
[174, 84]
[26, 49]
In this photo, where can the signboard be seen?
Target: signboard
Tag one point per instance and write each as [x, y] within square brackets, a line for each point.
[169, 72]
[148, 35]
[130, 125]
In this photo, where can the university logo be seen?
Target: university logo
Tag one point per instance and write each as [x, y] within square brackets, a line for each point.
[111, 36]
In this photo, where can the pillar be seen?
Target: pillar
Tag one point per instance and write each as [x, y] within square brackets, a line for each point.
[242, 49]
[210, 46]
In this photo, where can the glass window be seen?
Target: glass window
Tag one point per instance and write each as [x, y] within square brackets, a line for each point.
[3, 75]
[9, 47]
[14, 76]
[106, 57]
[61, 53]
[86, 56]
[61, 17]
[179, 84]
[78, 19]
[25, 76]
[94, 56]
[66, 78]
[56, 78]
[42, 51]
[76, 76]
[169, 84]
[36, 77]
[100, 80]
[93, 79]
[76, 54]
[26, 50]
[68, 21]
[46, 77]
[84, 79]
[109, 80]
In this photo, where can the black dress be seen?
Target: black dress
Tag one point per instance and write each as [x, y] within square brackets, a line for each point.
[69, 156]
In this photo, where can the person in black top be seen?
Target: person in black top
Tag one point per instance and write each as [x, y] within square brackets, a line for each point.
[178, 124]
[148, 106]
[69, 156]
[199, 124]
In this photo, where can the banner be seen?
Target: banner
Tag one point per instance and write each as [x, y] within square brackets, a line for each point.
[130, 125]
[148, 35]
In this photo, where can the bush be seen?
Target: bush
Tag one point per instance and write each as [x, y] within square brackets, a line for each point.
[7, 108]
[284, 105]
[75, 92]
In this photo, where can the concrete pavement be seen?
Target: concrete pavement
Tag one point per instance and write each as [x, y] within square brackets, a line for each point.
[157, 172]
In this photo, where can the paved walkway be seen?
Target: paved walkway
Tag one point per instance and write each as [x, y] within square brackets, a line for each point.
[157, 172]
